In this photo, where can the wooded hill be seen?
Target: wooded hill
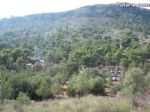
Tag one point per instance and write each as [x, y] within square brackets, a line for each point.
[76, 25]
[41, 53]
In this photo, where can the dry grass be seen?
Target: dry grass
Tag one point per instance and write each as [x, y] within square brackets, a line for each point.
[85, 104]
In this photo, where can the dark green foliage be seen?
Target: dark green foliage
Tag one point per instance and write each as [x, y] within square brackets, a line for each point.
[19, 83]
[14, 59]
[41, 83]
[27, 84]
[65, 70]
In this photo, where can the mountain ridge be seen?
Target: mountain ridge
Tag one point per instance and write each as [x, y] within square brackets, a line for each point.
[102, 19]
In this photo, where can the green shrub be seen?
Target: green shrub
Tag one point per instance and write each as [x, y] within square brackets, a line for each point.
[19, 83]
[56, 88]
[147, 81]
[82, 84]
[116, 88]
[78, 85]
[44, 90]
[23, 99]
[5, 87]
[109, 81]
[93, 72]
[97, 86]
[65, 69]
[134, 80]
[146, 68]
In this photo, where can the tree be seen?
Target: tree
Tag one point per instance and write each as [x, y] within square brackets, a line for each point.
[5, 90]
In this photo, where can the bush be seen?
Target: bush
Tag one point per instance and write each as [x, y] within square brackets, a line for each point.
[44, 90]
[116, 88]
[97, 86]
[23, 99]
[146, 68]
[56, 88]
[19, 83]
[93, 72]
[134, 82]
[82, 84]
[78, 85]
[5, 90]
[109, 81]
[66, 69]
[147, 81]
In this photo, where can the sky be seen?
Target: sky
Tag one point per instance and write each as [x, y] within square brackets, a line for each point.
[9, 8]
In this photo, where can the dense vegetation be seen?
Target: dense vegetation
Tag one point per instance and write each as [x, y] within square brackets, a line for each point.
[39, 54]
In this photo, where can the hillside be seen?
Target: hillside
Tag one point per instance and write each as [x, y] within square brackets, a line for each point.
[97, 50]
[82, 23]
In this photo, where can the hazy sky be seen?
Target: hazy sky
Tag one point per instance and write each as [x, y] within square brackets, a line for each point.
[24, 7]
